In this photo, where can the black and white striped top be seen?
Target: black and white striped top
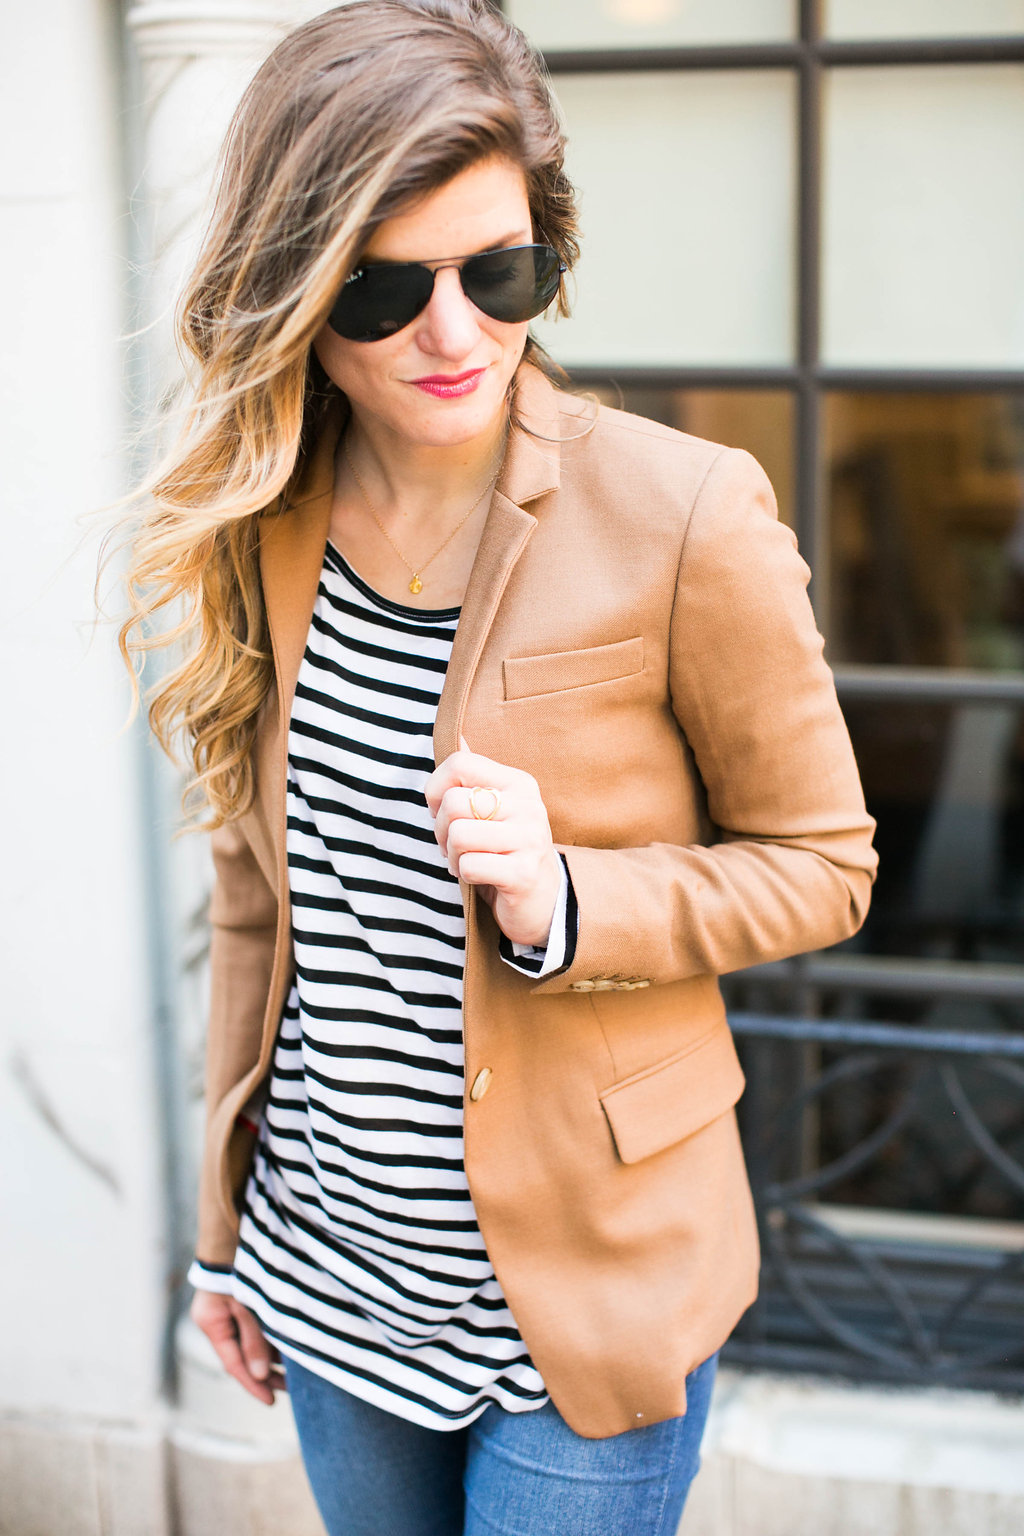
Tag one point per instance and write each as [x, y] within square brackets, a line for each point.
[359, 1250]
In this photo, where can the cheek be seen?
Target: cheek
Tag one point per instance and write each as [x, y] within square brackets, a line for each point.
[357, 369]
[511, 339]
[330, 355]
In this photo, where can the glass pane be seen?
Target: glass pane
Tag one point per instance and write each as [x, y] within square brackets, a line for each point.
[946, 783]
[759, 420]
[687, 192]
[924, 18]
[926, 511]
[924, 217]
[651, 23]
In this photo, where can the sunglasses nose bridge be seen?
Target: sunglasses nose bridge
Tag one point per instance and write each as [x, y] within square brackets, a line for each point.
[443, 266]
[450, 317]
[451, 266]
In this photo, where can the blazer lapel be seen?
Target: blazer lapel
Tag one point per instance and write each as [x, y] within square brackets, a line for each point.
[506, 534]
[292, 543]
[531, 469]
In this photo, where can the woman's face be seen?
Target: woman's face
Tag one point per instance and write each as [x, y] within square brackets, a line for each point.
[442, 380]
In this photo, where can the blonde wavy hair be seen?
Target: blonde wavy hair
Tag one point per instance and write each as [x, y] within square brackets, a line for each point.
[353, 118]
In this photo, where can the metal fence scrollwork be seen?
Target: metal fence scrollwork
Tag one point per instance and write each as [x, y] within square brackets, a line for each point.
[887, 1163]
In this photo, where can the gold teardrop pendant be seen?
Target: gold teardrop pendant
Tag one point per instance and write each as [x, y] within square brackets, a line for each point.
[415, 586]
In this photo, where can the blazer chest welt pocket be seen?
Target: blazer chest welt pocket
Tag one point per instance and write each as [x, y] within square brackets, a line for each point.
[671, 1100]
[526, 677]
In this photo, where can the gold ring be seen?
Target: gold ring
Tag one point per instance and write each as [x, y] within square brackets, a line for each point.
[485, 789]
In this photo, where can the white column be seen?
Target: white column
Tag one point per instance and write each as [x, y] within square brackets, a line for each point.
[195, 59]
[78, 1311]
[234, 1463]
[82, 1212]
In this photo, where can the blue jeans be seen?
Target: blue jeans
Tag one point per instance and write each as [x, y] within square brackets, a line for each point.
[515, 1474]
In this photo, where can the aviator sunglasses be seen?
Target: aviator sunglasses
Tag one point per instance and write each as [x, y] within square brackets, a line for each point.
[514, 284]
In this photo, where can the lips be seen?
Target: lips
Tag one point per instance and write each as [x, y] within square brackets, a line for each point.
[447, 386]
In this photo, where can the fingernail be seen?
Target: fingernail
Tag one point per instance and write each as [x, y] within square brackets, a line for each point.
[260, 1369]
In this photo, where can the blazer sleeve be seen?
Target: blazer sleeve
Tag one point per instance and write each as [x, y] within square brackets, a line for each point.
[243, 918]
[793, 864]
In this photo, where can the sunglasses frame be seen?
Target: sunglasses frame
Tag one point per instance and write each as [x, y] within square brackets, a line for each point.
[441, 264]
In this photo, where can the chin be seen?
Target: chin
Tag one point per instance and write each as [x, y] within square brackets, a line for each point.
[447, 423]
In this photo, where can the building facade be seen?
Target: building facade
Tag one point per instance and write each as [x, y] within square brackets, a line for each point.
[802, 233]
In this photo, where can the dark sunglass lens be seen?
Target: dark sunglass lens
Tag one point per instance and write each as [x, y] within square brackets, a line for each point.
[378, 301]
[512, 285]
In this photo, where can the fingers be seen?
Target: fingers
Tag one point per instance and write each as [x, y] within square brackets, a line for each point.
[456, 808]
[255, 1349]
[520, 827]
[523, 903]
[238, 1339]
[468, 768]
[470, 786]
[519, 883]
[510, 854]
[503, 872]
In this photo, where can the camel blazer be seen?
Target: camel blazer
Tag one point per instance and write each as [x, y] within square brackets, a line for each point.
[636, 634]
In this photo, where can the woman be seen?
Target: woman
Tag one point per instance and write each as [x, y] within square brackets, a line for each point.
[516, 733]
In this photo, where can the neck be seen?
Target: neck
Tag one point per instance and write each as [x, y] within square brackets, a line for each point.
[419, 479]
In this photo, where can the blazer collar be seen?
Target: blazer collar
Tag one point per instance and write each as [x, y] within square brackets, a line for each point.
[292, 542]
[533, 459]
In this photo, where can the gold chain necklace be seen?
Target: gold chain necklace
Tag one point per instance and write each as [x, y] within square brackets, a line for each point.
[416, 585]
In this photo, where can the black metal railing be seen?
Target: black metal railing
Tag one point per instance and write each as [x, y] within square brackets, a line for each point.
[887, 1163]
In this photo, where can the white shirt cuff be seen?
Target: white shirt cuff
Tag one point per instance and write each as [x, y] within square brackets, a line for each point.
[537, 960]
[202, 1278]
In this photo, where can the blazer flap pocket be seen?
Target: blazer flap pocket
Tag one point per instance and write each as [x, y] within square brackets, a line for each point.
[526, 676]
[666, 1103]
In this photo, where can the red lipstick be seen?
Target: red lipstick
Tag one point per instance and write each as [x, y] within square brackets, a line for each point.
[449, 386]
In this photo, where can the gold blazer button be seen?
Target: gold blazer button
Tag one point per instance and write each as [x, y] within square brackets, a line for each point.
[480, 1084]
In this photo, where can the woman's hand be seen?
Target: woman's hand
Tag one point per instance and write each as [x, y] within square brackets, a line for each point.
[507, 855]
[239, 1341]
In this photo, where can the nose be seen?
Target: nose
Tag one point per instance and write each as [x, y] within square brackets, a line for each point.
[449, 326]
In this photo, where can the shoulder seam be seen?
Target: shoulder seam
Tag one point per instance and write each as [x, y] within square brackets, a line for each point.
[689, 524]
[636, 427]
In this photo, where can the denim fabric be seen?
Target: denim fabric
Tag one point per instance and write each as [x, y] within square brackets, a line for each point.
[506, 1474]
